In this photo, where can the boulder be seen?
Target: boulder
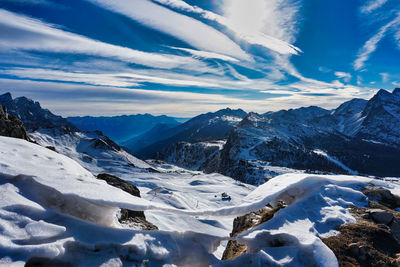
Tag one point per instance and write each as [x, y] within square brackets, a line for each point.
[383, 196]
[380, 216]
[134, 219]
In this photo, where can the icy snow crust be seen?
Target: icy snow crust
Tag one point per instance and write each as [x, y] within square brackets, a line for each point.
[50, 206]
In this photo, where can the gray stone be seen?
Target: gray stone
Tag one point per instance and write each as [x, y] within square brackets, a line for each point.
[381, 216]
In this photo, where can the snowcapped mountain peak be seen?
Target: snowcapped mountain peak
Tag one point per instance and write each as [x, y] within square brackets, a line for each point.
[231, 112]
[355, 105]
[386, 96]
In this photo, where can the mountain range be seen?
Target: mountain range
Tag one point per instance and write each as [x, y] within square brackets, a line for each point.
[121, 128]
[359, 137]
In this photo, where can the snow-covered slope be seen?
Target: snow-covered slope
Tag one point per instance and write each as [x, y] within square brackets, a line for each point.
[54, 211]
[382, 119]
[205, 127]
[92, 150]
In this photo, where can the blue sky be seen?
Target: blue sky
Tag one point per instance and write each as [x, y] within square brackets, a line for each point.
[182, 58]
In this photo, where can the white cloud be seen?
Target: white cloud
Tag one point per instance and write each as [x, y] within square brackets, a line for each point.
[396, 84]
[24, 33]
[385, 77]
[77, 99]
[346, 77]
[117, 79]
[372, 5]
[180, 26]
[371, 45]
[248, 20]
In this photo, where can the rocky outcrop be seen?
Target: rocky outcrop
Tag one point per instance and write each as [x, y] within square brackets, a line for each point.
[134, 219]
[246, 222]
[190, 155]
[33, 115]
[11, 126]
[383, 196]
[374, 239]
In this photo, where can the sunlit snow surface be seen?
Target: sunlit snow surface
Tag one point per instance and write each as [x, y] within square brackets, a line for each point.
[43, 193]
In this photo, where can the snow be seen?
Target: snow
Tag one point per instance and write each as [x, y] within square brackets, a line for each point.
[80, 147]
[334, 160]
[50, 206]
[43, 230]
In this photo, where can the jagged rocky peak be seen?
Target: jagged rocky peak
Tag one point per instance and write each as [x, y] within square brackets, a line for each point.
[251, 119]
[231, 112]
[33, 115]
[11, 126]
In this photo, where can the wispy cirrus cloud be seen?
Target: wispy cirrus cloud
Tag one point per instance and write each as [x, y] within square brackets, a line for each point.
[19, 32]
[175, 24]
[250, 21]
[371, 45]
[372, 5]
[79, 99]
[114, 79]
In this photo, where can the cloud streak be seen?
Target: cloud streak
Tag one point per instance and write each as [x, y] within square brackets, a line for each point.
[77, 99]
[237, 16]
[175, 24]
[24, 33]
[372, 5]
[371, 45]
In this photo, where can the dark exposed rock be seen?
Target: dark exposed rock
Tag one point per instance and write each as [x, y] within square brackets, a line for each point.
[128, 217]
[11, 126]
[46, 262]
[380, 216]
[364, 243]
[383, 196]
[190, 155]
[51, 148]
[244, 223]
[374, 239]
[33, 115]
[103, 142]
[119, 183]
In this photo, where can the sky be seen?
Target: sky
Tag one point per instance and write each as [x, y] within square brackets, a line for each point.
[186, 57]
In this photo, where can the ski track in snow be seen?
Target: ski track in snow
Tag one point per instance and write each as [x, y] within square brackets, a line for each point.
[50, 206]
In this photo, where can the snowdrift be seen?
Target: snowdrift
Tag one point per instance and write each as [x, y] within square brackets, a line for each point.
[51, 207]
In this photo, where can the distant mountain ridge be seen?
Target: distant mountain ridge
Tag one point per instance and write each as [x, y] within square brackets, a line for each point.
[91, 149]
[121, 128]
[360, 136]
[32, 114]
[205, 127]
